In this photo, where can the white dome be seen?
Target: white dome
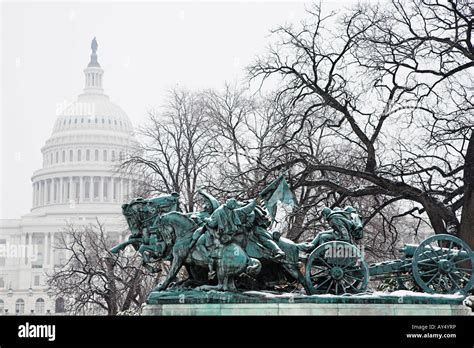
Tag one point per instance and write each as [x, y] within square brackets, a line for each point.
[94, 111]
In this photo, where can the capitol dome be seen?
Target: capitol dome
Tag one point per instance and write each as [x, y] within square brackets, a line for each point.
[80, 159]
[93, 112]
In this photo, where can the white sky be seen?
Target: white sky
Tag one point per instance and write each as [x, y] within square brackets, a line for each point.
[145, 48]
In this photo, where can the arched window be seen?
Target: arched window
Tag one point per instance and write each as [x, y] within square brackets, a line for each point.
[79, 155]
[20, 306]
[105, 155]
[2, 306]
[39, 306]
[59, 305]
[96, 155]
[88, 155]
[113, 155]
[63, 156]
[71, 155]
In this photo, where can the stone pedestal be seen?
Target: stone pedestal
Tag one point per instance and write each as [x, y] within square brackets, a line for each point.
[192, 302]
[299, 309]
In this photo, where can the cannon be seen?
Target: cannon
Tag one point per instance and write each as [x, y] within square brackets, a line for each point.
[442, 264]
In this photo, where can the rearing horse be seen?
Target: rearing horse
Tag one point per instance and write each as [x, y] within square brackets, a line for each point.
[178, 229]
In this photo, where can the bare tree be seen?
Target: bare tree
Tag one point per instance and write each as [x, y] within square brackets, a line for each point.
[92, 277]
[177, 147]
[326, 74]
[425, 47]
[243, 126]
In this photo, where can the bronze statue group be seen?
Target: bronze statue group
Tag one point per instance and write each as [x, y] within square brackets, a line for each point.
[228, 246]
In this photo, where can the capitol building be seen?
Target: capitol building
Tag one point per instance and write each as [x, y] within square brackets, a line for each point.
[78, 183]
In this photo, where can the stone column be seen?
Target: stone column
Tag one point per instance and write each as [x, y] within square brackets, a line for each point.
[61, 190]
[81, 189]
[37, 193]
[112, 191]
[105, 181]
[54, 194]
[72, 194]
[50, 191]
[37, 200]
[51, 195]
[43, 184]
[101, 189]
[91, 188]
[41, 192]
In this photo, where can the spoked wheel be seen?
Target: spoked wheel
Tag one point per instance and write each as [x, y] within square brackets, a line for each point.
[443, 264]
[336, 268]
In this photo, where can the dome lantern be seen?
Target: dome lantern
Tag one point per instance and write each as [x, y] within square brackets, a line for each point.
[93, 72]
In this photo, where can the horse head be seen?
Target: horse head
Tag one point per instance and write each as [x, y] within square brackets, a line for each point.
[134, 215]
[164, 204]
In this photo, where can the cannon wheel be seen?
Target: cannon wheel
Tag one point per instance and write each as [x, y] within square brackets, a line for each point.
[337, 268]
[441, 270]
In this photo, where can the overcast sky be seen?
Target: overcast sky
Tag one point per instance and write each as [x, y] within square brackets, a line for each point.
[145, 49]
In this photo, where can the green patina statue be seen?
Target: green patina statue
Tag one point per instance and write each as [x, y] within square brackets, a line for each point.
[346, 225]
[230, 247]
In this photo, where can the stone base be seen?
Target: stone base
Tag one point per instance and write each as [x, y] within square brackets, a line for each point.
[281, 309]
[192, 302]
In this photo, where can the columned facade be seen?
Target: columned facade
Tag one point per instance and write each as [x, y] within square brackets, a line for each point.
[102, 189]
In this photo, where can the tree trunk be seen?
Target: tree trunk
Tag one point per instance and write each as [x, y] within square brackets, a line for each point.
[442, 218]
[296, 229]
[112, 300]
[132, 291]
[467, 217]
